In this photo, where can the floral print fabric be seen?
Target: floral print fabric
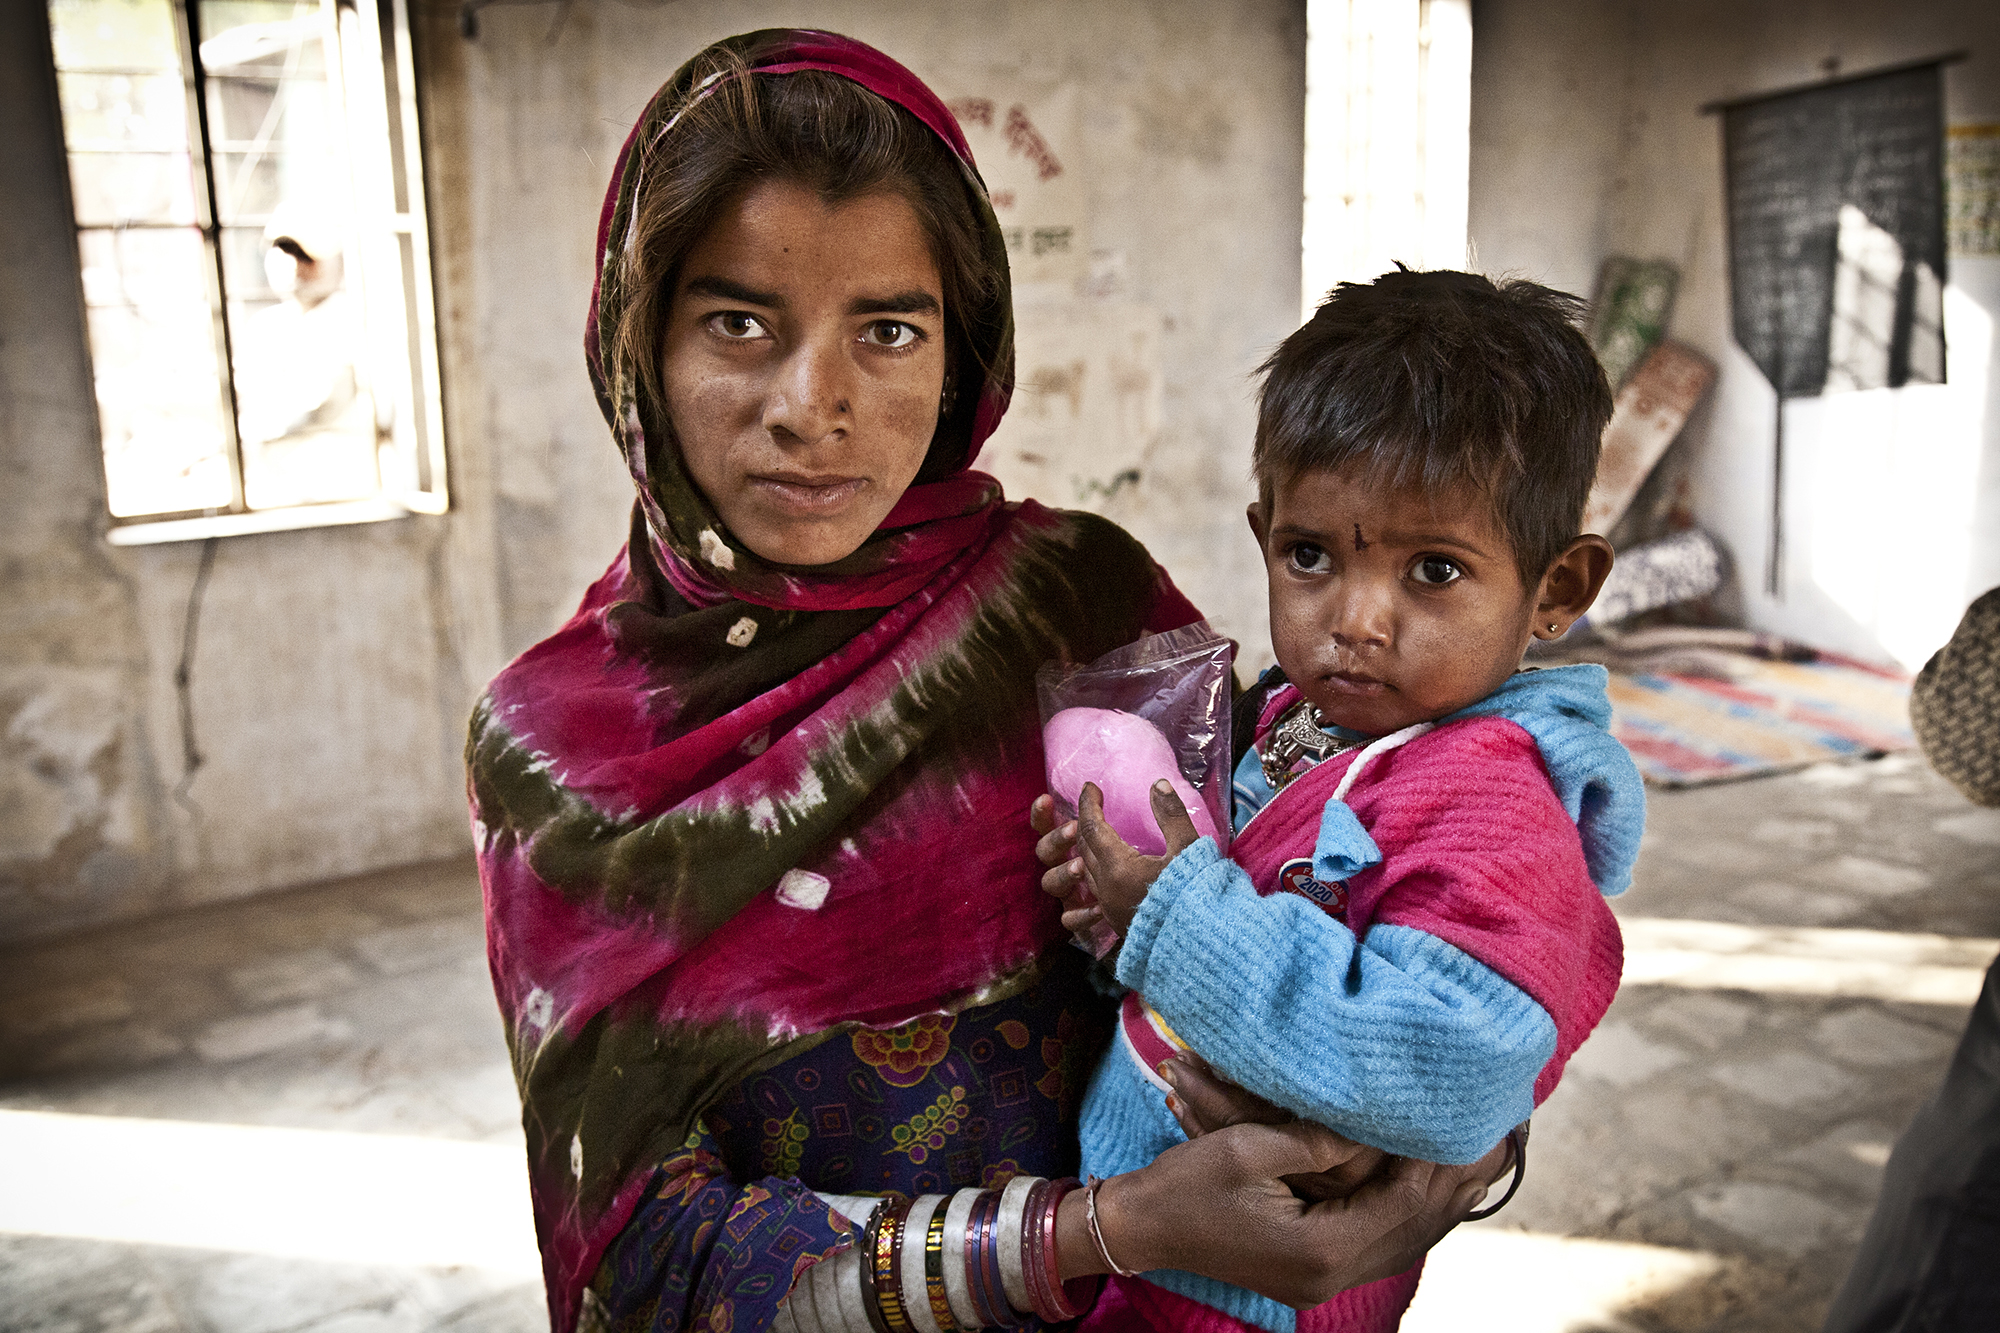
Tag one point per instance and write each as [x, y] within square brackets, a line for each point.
[938, 1104]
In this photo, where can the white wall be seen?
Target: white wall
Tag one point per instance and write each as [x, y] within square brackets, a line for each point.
[1588, 141]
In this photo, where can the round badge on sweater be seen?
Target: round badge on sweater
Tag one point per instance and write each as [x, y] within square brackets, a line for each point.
[1296, 876]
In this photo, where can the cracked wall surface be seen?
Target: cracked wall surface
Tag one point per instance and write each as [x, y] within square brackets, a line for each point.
[333, 670]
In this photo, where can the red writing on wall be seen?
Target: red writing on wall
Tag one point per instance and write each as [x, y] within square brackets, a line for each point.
[972, 110]
[1025, 139]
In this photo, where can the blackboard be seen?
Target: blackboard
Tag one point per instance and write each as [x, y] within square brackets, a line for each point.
[1792, 159]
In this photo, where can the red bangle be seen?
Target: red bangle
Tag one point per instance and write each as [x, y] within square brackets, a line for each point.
[1032, 1273]
[1055, 1301]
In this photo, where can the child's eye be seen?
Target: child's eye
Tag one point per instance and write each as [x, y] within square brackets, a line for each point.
[1436, 570]
[891, 334]
[736, 326]
[1309, 559]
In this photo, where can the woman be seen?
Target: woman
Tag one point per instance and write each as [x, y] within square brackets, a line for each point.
[761, 889]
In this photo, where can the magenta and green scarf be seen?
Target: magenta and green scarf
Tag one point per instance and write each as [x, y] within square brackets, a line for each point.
[706, 846]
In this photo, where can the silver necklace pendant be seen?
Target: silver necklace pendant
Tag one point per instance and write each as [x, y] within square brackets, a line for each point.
[1298, 737]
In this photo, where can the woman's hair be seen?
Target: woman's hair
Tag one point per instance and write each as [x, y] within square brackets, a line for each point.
[1444, 381]
[830, 135]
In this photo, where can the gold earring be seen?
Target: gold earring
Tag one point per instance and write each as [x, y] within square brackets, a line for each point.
[1554, 627]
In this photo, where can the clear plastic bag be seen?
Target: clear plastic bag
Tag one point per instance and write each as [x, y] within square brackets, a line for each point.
[1155, 708]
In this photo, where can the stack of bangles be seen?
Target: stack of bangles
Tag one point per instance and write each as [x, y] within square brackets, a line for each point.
[945, 1263]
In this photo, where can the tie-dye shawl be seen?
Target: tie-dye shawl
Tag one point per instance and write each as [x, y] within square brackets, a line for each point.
[730, 810]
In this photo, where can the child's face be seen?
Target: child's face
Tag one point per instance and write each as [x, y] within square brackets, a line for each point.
[1389, 607]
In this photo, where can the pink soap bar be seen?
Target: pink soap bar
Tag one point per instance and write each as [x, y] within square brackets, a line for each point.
[1124, 755]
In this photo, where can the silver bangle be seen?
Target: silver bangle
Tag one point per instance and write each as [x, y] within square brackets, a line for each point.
[828, 1298]
[957, 1290]
[846, 1276]
[1013, 1276]
[856, 1208]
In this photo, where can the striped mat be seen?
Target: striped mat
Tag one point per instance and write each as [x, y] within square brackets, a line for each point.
[1773, 716]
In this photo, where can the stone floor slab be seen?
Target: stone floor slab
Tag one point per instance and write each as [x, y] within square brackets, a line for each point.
[1621, 1055]
[1981, 827]
[1706, 1020]
[1867, 875]
[1769, 1216]
[269, 1032]
[294, 976]
[1865, 1035]
[1788, 1079]
[1768, 899]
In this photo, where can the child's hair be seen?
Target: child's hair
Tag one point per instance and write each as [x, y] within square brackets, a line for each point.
[841, 141]
[1443, 381]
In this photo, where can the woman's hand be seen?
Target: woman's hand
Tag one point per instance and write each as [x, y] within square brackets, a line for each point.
[1218, 1205]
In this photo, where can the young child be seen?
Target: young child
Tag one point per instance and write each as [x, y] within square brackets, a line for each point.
[1409, 937]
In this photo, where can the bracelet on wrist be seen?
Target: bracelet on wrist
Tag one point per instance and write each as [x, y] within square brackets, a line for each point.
[887, 1290]
[1055, 1301]
[951, 1264]
[1090, 1188]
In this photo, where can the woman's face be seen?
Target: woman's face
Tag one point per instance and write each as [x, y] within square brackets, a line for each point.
[804, 362]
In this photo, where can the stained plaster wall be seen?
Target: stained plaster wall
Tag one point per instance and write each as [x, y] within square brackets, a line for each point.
[334, 667]
[1588, 141]
[1177, 127]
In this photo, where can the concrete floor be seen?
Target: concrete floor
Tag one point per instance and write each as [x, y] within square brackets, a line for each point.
[296, 1114]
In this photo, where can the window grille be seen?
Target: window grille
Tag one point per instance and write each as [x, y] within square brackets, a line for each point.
[248, 193]
[1388, 139]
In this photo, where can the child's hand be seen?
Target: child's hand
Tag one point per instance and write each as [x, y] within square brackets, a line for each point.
[1118, 875]
[1204, 1101]
[1062, 874]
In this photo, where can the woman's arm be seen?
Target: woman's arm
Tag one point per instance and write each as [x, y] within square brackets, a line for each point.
[1218, 1206]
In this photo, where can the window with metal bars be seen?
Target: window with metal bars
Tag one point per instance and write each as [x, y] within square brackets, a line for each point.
[248, 194]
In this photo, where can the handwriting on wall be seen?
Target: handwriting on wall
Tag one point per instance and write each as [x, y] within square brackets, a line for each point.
[1087, 403]
[1019, 143]
[1972, 189]
[1089, 391]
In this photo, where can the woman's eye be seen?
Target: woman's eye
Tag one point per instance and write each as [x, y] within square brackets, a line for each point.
[891, 333]
[1309, 559]
[1436, 570]
[737, 326]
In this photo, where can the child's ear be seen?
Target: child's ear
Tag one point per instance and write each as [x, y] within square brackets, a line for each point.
[1255, 513]
[1571, 585]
